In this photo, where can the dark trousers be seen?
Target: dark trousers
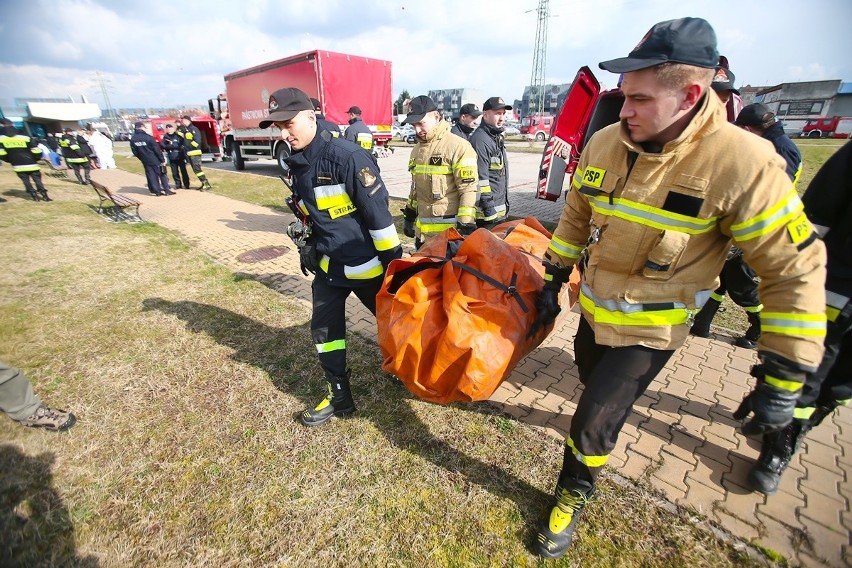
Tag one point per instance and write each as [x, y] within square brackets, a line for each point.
[328, 320]
[614, 378]
[179, 173]
[158, 181]
[86, 167]
[28, 178]
[738, 280]
[832, 383]
[195, 162]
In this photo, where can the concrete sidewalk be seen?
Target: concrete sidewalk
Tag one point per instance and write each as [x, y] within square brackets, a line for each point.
[680, 439]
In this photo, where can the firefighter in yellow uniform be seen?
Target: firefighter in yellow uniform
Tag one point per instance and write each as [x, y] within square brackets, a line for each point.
[654, 205]
[443, 172]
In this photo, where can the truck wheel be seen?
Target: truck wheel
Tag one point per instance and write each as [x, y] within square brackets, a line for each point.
[282, 152]
[540, 136]
[239, 162]
[814, 134]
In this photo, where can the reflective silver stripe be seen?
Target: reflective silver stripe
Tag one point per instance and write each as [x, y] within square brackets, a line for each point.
[500, 208]
[325, 191]
[385, 239]
[437, 220]
[483, 183]
[621, 305]
[650, 216]
[369, 269]
[768, 221]
[564, 248]
[835, 300]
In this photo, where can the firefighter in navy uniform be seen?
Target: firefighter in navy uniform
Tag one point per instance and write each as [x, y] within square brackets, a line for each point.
[192, 148]
[357, 131]
[828, 204]
[466, 124]
[654, 204]
[492, 205]
[23, 153]
[76, 155]
[172, 145]
[146, 149]
[443, 176]
[322, 123]
[352, 237]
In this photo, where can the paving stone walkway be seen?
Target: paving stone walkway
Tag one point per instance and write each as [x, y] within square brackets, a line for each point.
[680, 439]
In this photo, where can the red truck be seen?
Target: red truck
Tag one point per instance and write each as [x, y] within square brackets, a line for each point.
[537, 126]
[338, 80]
[586, 110]
[828, 127]
[209, 128]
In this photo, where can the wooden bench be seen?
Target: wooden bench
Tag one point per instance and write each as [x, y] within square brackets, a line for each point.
[120, 204]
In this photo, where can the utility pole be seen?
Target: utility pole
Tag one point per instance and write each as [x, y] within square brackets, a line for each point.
[537, 83]
[111, 118]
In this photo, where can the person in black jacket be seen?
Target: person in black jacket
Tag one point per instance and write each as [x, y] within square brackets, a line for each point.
[172, 145]
[467, 122]
[357, 131]
[75, 155]
[23, 153]
[828, 205]
[351, 237]
[322, 122]
[492, 207]
[149, 153]
[192, 149]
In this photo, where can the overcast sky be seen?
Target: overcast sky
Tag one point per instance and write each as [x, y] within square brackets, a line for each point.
[154, 53]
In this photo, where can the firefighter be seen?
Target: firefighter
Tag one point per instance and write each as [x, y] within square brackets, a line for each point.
[172, 145]
[737, 278]
[492, 205]
[654, 203]
[192, 146]
[828, 204]
[146, 149]
[357, 131]
[351, 238]
[468, 121]
[75, 155]
[322, 122]
[23, 153]
[443, 176]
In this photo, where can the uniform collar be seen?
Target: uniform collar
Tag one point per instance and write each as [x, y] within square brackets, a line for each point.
[313, 150]
[438, 132]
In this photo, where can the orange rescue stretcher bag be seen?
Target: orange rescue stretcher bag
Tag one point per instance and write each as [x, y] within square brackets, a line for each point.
[454, 317]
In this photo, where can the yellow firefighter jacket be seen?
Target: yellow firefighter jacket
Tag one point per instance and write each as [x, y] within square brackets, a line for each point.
[443, 181]
[656, 229]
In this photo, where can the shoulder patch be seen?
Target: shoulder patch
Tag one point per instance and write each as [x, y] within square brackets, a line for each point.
[594, 176]
[367, 177]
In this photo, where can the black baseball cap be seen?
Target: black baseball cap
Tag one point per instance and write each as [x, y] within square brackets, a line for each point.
[69, 129]
[723, 80]
[496, 103]
[418, 108]
[354, 110]
[170, 126]
[138, 125]
[470, 109]
[756, 114]
[284, 104]
[185, 117]
[690, 41]
[317, 105]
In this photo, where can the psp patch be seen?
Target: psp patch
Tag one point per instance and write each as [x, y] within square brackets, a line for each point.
[367, 177]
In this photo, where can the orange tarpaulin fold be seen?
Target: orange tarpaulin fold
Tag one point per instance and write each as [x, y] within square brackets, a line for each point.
[453, 326]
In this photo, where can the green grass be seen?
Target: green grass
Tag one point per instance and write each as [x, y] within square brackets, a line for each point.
[186, 379]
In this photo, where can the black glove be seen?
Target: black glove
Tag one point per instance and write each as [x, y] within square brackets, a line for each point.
[547, 302]
[408, 226]
[465, 229]
[486, 205]
[308, 261]
[772, 404]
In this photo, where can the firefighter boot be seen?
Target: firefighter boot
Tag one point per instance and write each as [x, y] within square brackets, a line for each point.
[34, 195]
[775, 454]
[555, 533]
[338, 402]
[752, 334]
[701, 325]
[44, 196]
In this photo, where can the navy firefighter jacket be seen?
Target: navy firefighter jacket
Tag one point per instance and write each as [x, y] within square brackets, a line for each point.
[337, 184]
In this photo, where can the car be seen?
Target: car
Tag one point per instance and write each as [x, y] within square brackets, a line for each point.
[402, 132]
[511, 130]
[411, 137]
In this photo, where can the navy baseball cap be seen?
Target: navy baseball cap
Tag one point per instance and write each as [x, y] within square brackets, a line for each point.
[284, 104]
[418, 108]
[723, 80]
[690, 41]
[496, 103]
[470, 109]
[756, 114]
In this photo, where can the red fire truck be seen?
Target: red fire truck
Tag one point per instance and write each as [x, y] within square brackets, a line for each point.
[209, 128]
[338, 80]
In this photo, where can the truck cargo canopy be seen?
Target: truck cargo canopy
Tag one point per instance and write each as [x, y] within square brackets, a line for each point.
[64, 111]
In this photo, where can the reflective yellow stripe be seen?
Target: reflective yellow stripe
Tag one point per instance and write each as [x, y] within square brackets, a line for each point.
[26, 168]
[330, 346]
[590, 461]
[803, 413]
[577, 179]
[426, 169]
[650, 216]
[370, 269]
[831, 313]
[674, 316]
[434, 224]
[467, 211]
[485, 188]
[812, 325]
[385, 239]
[717, 297]
[782, 384]
[323, 263]
[564, 248]
[331, 196]
[754, 309]
[780, 214]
